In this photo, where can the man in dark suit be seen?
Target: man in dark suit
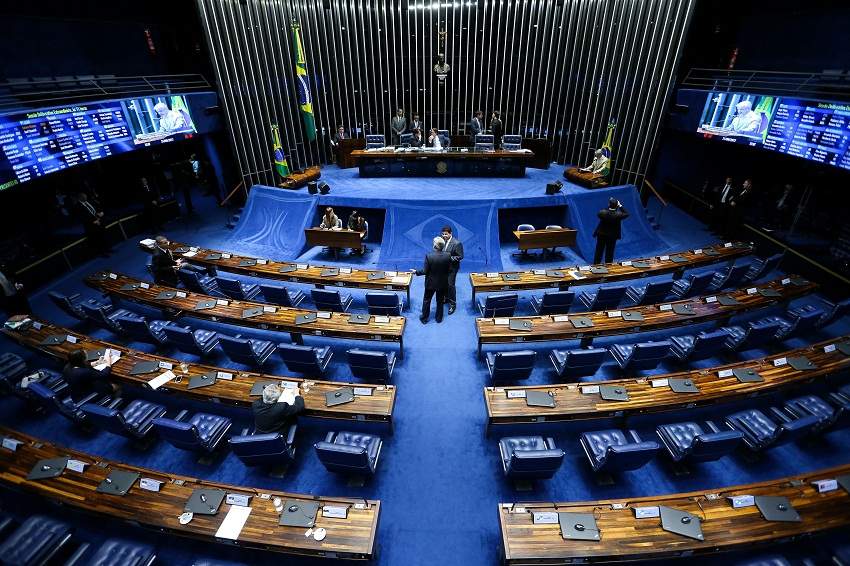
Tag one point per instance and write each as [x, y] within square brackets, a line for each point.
[454, 248]
[277, 409]
[497, 129]
[13, 298]
[163, 264]
[436, 272]
[417, 140]
[738, 207]
[93, 223]
[476, 125]
[608, 230]
[82, 378]
[416, 123]
[398, 125]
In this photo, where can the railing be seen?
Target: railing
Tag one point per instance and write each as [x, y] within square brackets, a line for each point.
[660, 199]
[830, 85]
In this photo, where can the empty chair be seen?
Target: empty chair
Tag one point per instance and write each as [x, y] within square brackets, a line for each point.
[688, 442]
[71, 304]
[603, 298]
[199, 342]
[525, 228]
[833, 311]
[133, 421]
[653, 292]
[498, 304]
[65, 406]
[760, 431]
[842, 397]
[37, 541]
[12, 369]
[248, 351]
[510, 365]
[484, 142]
[304, 359]
[616, 451]
[761, 267]
[140, 329]
[371, 365]
[813, 405]
[270, 449]
[692, 285]
[384, 303]
[197, 282]
[203, 432]
[511, 142]
[729, 276]
[330, 300]
[530, 457]
[236, 289]
[445, 139]
[754, 335]
[106, 316]
[404, 139]
[117, 552]
[698, 346]
[804, 323]
[374, 141]
[643, 355]
[281, 295]
[553, 302]
[349, 452]
[577, 363]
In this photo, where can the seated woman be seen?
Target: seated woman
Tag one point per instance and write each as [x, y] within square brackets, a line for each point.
[330, 220]
[82, 378]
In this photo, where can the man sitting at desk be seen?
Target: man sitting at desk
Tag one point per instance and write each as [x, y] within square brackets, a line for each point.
[434, 139]
[163, 265]
[330, 221]
[599, 166]
[277, 409]
[169, 120]
[416, 140]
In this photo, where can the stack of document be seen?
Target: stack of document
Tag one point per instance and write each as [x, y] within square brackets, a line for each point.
[110, 356]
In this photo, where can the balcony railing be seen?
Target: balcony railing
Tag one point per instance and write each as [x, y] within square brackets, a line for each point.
[830, 85]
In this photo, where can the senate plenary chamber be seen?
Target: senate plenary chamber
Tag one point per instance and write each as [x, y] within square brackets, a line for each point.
[424, 282]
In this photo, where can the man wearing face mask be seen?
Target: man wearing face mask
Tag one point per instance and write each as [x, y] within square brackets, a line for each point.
[608, 230]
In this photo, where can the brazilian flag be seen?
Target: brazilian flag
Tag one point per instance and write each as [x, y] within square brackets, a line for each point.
[305, 100]
[280, 163]
[608, 146]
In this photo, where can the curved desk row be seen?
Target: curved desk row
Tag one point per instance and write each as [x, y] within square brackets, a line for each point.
[231, 386]
[586, 326]
[576, 401]
[564, 277]
[708, 517]
[249, 313]
[351, 537]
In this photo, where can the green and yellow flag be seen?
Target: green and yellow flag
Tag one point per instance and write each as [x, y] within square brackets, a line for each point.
[280, 163]
[608, 146]
[305, 99]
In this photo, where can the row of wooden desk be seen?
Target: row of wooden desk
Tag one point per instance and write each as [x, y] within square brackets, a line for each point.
[445, 163]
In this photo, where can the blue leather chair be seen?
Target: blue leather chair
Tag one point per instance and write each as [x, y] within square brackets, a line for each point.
[504, 366]
[12, 369]
[236, 289]
[282, 296]
[511, 142]
[199, 342]
[197, 282]
[133, 421]
[374, 141]
[651, 293]
[761, 267]
[384, 303]
[698, 346]
[445, 139]
[330, 300]
[484, 142]
[349, 452]
[689, 443]
[530, 457]
[643, 355]
[36, 542]
[806, 323]
[271, 449]
[813, 405]
[201, 433]
[842, 397]
[117, 552]
[70, 304]
[613, 451]
[106, 316]
[577, 363]
[729, 276]
[553, 302]
[304, 359]
[753, 336]
[140, 329]
[371, 365]
[66, 406]
[48, 378]
[603, 298]
[692, 285]
[248, 351]
[833, 311]
[498, 304]
[525, 227]
[405, 139]
[760, 431]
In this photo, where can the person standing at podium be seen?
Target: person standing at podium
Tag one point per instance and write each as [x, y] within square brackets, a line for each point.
[398, 125]
[608, 230]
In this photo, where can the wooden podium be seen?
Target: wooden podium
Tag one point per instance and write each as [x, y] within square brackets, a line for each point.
[584, 178]
[343, 152]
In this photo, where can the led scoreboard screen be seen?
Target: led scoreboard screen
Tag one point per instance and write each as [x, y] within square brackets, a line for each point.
[40, 142]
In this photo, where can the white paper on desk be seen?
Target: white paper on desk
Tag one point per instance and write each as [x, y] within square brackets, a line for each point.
[626, 263]
[161, 379]
[539, 271]
[323, 315]
[144, 285]
[225, 256]
[190, 254]
[561, 318]
[302, 266]
[287, 396]
[262, 261]
[110, 356]
[221, 302]
[269, 309]
[382, 319]
[345, 270]
[399, 279]
[501, 321]
[584, 268]
[233, 522]
[181, 294]
[71, 339]
[225, 375]
[663, 257]
[492, 274]
[390, 273]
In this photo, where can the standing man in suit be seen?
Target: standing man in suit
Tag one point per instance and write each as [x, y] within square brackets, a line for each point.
[738, 206]
[436, 272]
[720, 203]
[163, 264]
[277, 409]
[398, 125]
[454, 248]
[416, 123]
[416, 140]
[497, 129]
[608, 230]
[476, 125]
[93, 223]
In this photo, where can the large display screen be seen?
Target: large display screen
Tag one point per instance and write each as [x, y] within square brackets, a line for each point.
[814, 130]
[40, 142]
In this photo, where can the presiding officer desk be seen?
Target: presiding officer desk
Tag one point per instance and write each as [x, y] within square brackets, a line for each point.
[351, 537]
[231, 387]
[580, 401]
[649, 317]
[386, 162]
[262, 315]
[564, 277]
[623, 537]
[291, 271]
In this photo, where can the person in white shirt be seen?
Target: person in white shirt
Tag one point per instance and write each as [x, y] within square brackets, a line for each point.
[434, 139]
[746, 121]
[169, 120]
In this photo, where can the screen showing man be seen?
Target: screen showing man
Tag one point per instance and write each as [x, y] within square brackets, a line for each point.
[158, 118]
[737, 115]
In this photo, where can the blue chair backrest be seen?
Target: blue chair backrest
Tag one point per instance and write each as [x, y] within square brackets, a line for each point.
[699, 282]
[630, 456]
[608, 296]
[105, 418]
[706, 344]
[484, 138]
[326, 299]
[238, 349]
[181, 434]
[191, 280]
[711, 446]
[838, 310]
[647, 355]
[342, 458]
[230, 287]
[584, 362]
[736, 274]
[656, 291]
[501, 304]
[12, 367]
[513, 365]
[299, 358]
[515, 139]
[66, 304]
[277, 295]
[524, 228]
[137, 328]
[540, 461]
[766, 266]
[183, 338]
[98, 314]
[445, 140]
[806, 322]
[759, 333]
[375, 140]
[556, 302]
[366, 364]
[484, 147]
[405, 138]
[259, 449]
[383, 303]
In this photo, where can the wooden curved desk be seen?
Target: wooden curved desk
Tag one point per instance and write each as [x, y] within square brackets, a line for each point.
[580, 401]
[352, 537]
[375, 407]
[271, 269]
[581, 275]
[281, 319]
[625, 538]
[545, 328]
[445, 163]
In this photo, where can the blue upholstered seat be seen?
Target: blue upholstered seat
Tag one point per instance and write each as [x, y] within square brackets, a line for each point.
[803, 324]
[248, 351]
[652, 292]
[11, 381]
[510, 365]
[577, 363]
[70, 304]
[236, 289]
[729, 276]
[140, 329]
[698, 346]
[761, 267]
[35, 542]
[688, 442]
[405, 139]
[305, 359]
[349, 452]
[530, 457]
[760, 431]
[511, 142]
[384, 303]
[553, 302]
[643, 355]
[616, 451]
[525, 228]
[197, 282]
[498, 304]
[199, 342]
[833, 311]
[692, 285]
[201, 433]
[753, 336]
[813, 405]
[271, 449]
[65, 406]
[371, 365]
[133, 421]
[106, 316]
[375, 140]
[330, 300]
[117, 552]
[282, 296]
[605, 297]
[842, 397]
